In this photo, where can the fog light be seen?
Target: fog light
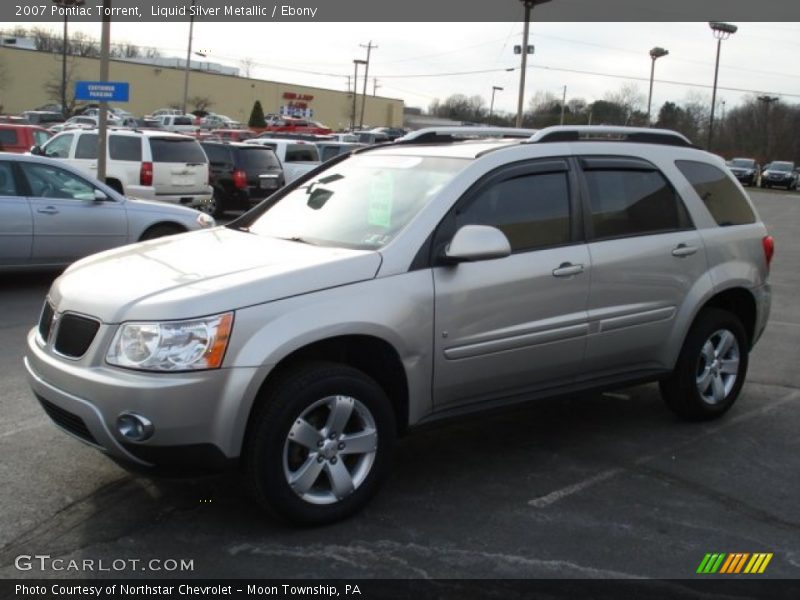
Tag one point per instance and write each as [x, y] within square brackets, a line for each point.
[134, 427]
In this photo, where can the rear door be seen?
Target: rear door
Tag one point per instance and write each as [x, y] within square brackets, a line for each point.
[68, 223]
[264, 173]
[519, 323]
[180, 167]
[646, 258]
[16, 221]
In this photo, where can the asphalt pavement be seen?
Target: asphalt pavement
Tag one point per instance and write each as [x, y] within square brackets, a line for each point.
[598, 485]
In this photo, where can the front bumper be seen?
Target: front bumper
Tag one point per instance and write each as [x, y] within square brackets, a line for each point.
[199, 417]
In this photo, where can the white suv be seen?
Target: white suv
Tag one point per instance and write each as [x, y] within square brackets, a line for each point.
[155, 165]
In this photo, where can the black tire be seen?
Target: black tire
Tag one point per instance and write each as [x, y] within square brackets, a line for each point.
[216, 206]
[681, 390]
[272, 455]
[161, 230]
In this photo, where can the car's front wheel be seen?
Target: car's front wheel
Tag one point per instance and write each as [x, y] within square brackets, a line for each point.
[320, 443]
[711, 367]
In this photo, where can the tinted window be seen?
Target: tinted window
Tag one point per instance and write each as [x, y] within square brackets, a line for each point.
[531, 210]
[301, 152]
[217, 154]
[7, 185]
[253, 159]
[182, 121]
[177, 150]
[722, 197]
[625, 203]
[8, 137]
[59, 146]
[87, 146]
[329, 152]
[121, 147]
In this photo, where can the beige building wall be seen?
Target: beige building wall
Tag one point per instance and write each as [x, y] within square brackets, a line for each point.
[153, 87]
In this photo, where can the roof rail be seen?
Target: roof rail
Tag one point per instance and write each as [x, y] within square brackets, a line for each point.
[443, 135]
[610, 133]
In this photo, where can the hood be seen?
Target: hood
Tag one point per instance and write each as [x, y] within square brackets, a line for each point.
[203, 273]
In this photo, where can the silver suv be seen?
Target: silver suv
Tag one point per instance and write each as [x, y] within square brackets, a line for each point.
[405, 284]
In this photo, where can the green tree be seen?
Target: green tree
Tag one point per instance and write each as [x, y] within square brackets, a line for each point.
[257, 116]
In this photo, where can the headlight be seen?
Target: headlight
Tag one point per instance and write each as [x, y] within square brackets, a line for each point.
[205, 221]
[172, 345]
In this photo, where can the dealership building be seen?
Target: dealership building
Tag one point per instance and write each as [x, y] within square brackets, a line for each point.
[153, 85]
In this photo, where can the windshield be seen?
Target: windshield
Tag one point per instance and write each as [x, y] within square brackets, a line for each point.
[362, 202]
[744, 163]
[781, 166]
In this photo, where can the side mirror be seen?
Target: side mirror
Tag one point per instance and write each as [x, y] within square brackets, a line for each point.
[37, 150]
[100, 196]
[477, 242]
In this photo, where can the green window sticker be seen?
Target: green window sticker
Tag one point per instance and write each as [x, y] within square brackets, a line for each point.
[381, 193]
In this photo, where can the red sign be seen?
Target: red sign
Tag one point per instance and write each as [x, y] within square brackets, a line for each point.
[294, 96]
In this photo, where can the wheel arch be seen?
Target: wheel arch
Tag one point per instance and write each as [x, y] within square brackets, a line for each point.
[175, 225]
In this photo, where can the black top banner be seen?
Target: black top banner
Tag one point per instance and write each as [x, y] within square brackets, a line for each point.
[393, 11]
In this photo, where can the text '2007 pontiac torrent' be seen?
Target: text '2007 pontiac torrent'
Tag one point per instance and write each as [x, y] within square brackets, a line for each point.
[404, 284]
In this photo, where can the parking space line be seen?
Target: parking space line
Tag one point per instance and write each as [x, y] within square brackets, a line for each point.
[24, 426]
[555, 496]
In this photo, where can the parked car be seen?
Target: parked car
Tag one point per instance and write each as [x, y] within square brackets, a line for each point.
[135, 123]
[52, 214]
[85, 122]
[19, 138]
[214, 121]
[233, 135]
[779, 173]
[179, 124]
[392, 133]
[162, 112]
[242, 175]
[745, 170]
[43, 118]
[295, 125]
[296, 156]
[328, 150]
[371, 137]
[403, 285]
[151, 164]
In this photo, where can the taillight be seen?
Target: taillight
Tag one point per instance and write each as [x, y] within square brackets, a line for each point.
[240, 179]
[768, 242]
[146, 174]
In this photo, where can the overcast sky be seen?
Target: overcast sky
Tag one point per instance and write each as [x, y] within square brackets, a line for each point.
[419, 62]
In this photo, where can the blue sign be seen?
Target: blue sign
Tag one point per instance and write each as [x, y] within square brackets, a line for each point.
[102, 91]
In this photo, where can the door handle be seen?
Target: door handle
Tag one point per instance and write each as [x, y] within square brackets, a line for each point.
[93, 166]
[682, 250]
[48, 210]
[567, 269]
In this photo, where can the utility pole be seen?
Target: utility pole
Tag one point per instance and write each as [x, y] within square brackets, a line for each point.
[375, 86]
[188, 63]
[356, 62]
[563, 104]
[767, 101]
[369, 48]
[105, 50]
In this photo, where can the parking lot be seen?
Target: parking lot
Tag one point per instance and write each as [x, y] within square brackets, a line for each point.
[601, 485]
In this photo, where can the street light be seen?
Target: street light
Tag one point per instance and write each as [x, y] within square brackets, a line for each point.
[529, 4]
[722, 31]
[65, 4]
[655, 54]
[356, 62]
[495, 88]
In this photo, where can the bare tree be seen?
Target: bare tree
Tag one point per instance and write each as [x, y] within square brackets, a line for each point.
[52, 87]
[629, 98]
[247, 65]
[200, 103]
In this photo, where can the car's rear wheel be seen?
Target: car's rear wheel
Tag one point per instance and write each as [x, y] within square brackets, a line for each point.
[320, 443]
[711, 367]
[215, 206]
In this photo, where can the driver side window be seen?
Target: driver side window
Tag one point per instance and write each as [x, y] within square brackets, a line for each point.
[47, 181]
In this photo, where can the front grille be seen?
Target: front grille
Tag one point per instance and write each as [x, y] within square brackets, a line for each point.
[46, 321]
[75, 335]
[65, 419]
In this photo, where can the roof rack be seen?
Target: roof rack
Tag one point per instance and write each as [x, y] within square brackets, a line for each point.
[444, 135]
[610, 133]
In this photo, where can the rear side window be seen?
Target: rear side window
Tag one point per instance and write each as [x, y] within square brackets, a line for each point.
[723, 199]
[8, 137]
[7, 185]
[633, 202]
[329, 152]
[253, 159]
[531, 210]
[301, 153]
[87, 146]
[182, 121]
[177, 150]
[121, 147]
[217, 154]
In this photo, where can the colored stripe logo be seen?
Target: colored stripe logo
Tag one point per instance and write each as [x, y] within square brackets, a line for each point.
[734, 563]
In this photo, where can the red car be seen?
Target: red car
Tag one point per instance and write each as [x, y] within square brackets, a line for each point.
[233, 135]
[18, 138]
[294, 125]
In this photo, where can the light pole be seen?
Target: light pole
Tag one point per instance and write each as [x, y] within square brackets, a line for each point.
[356, 62]
[655, 54]
[722, 31]
[767, 100]
[529, 4]
[65, 4]
[188, 62]
[495, 88]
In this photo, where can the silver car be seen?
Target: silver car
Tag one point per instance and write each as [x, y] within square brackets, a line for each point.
[403, 285]
[51, 215]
